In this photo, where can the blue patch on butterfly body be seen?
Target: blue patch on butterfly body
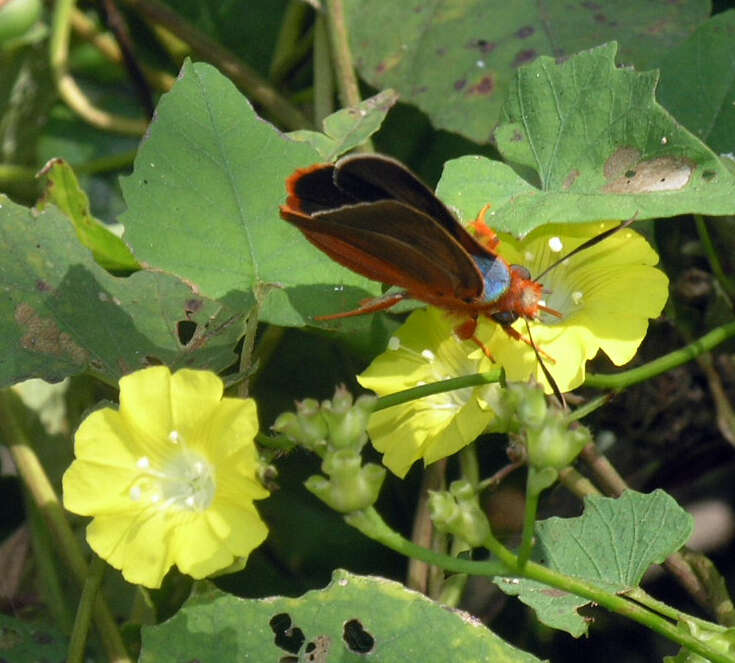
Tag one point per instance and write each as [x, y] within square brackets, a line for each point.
[495, 274]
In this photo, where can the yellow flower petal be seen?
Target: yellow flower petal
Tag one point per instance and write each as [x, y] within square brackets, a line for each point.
[426, 350]
[195, 395]
[170, 478]
[606, 294]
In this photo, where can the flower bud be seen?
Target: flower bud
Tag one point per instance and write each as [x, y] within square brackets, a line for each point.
[347, 423]
[349, 487]
[554, 444]
[458, 513]
[312, 420]
[532, 406]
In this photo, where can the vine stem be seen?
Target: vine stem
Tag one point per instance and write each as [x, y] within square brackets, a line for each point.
[247, 79]
[67, 87]
[78, 639]
[370, 523]
[34, 477]
[676, 358]
[349, 91]
[728, 285]
[616, 381]
[414, 393]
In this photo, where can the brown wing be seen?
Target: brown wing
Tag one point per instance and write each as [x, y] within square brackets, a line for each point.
[392, 242]
[370, 177]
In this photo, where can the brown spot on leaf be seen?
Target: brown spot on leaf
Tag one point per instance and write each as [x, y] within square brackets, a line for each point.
[525, 32]
[458, 85]
[482, 45]
[554, 593]
[570, 179]
[43, 335]
[600, 18]
[525, 56]
[626, 173]
[43, 286]
[484, 87]
[193, 305]
[516, 137]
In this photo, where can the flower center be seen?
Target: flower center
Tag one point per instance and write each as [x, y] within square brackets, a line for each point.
[182, 480]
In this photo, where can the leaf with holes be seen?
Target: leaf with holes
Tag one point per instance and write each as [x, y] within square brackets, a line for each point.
[355, 618]
[62, 314]
[612, 545]
[455, 60]
[597, 147]
[203, 204]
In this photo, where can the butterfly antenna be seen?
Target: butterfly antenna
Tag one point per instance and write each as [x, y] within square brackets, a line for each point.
[547, 373]
[586, 245]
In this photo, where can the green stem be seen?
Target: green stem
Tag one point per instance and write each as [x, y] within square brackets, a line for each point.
[323, 74]
[50, 584]
[288, 48]
[78, 640]
[68, 90]
[420, 576]
[589, 407]
[644, 598]
[474, 380]
[268, 342]
[106, 164]
[728, 285]
[10, 173]
[34, 477]
[576, 483]
[372, 525]
[349, 91]
[611, 381]
[469, 466]
[662, 364]
[248, 344]
[247, 79]
[529, 520]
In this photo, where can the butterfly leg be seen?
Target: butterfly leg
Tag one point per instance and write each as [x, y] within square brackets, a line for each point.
[485, 234]
[520, 337]
[466, 331]
[367, 306]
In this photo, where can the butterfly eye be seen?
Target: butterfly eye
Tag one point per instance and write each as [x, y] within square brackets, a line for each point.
[523, 271]
[505, 318]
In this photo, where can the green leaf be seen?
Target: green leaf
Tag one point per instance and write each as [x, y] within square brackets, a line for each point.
[698, 82]
[599, 147]
[355, 618]
[349, 127]
[62, 314]
[22, 642]
[456, 59]
[63, 190]
[612, 545]
[203, 204]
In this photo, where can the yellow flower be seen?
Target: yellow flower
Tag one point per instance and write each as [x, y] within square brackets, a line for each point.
[425, 350]
[170, 477]
[606, 295]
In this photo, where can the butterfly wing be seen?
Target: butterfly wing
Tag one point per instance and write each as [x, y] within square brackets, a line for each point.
[391, 242]
[376, 177]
